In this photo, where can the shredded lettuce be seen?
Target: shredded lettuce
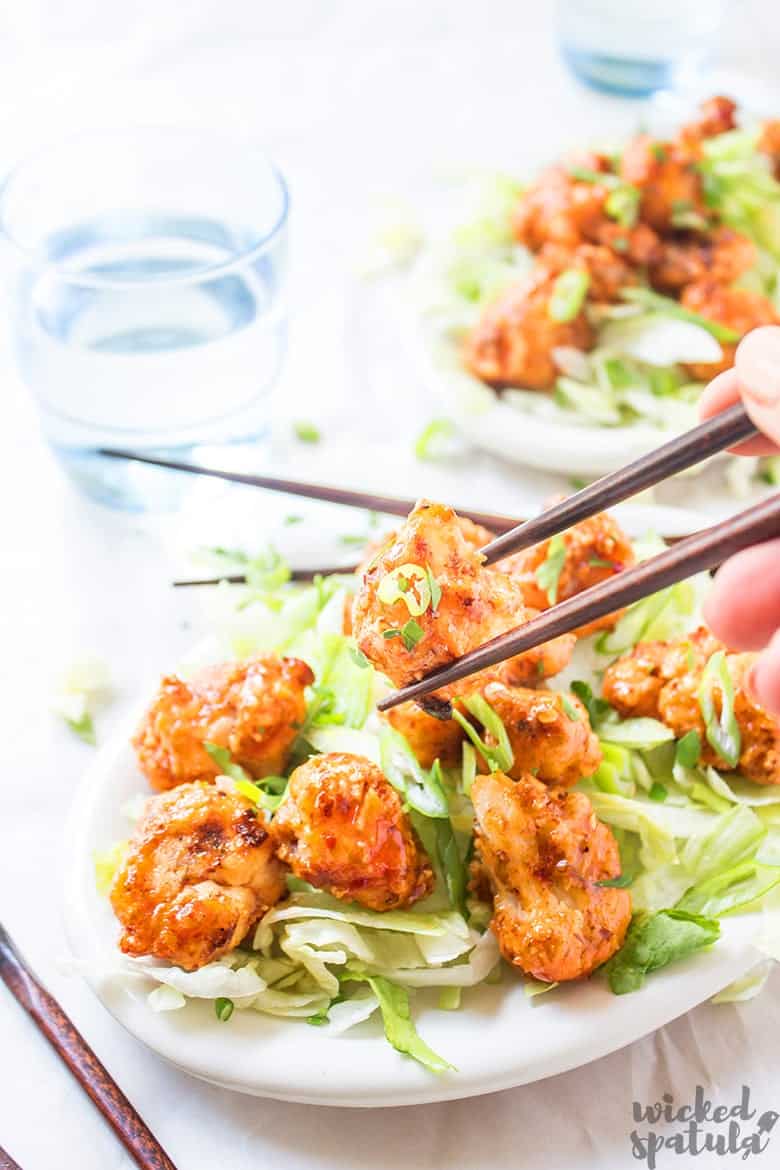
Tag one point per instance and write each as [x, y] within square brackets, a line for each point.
[421, 787]
[398, 1023]
[656, 940]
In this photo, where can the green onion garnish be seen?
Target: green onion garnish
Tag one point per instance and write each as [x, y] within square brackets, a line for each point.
[499, 757]
[570, 709]
[411, 634]
[622, 205]
[223, 1009]
[723, 734]
[548, 575]
[429, 441]
[688, 749]
[568, 294]
[307, 432]
[658, 792]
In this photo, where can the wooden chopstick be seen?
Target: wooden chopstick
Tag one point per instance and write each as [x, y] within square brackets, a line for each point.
[392, 505]
[694, 446]
[7, 1162]
[703, 550]
[73, 1050]
[240, 578]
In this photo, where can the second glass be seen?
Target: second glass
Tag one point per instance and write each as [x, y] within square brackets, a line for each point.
[148, 301]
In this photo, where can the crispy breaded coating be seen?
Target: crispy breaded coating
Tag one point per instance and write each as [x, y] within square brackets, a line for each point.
[342, 828]
[560, 209]
[512, 343]
[608, 272]
[429, 738]
[663, 680]
[738, 308]
[717, 115]
[595, 549]
[722, 256]
[668, 178]
[550, 733]
[252, 708]
[199, 872]
[476, 603]
[545, 851]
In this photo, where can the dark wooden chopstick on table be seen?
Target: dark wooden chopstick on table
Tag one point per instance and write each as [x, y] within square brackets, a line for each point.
[697, 553]
[73, 1050]
[7, 1162]
[240, 579]
[392, 505]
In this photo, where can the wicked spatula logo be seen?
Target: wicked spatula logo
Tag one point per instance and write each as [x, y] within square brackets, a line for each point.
[732, 1130]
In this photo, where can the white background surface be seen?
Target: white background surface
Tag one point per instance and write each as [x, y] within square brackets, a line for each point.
[357, 101]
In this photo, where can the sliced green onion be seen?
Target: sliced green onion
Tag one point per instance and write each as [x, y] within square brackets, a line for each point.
[429, 441]
[223, 1009]
[499, 757]
[658, 792]
[411, 634]
[409, 583]
[306, 432]
[723, 733]
[688, 749]
[622, 205]
[435, 589]
[548, 575]
[568, 294]
[468, 767]
[597, 709]
[671, 308]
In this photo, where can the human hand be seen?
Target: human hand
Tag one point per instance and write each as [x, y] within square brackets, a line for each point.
[743, 609]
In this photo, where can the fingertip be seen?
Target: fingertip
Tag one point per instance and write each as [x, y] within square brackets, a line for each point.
[722, 392]
[763, 679]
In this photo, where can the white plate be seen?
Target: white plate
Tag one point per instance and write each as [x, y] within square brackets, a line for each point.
[498, 1040]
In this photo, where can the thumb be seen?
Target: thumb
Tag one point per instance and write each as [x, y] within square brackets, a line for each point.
[758, 375]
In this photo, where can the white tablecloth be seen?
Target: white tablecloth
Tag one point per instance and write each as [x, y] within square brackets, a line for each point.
[357, 101]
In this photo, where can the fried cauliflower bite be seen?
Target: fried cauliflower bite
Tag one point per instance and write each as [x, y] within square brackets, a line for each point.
[717, 115]
[595, 549]
[560, 209]
[607, 272]
[632, 684]
[679, 708]
[544, 852]
[663, 680]
[199, 872]
[722, 256]
[533, 666]
[476, 604]
[429, 738]
[342, 828]
[252, 708]
[668, 179]
[512, 343]
[737, 308]
[550, 734]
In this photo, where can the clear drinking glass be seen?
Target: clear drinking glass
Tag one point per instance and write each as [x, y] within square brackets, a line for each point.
[147, 302]
[634, 47]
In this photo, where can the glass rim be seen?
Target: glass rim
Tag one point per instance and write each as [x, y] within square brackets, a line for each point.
[206, 271]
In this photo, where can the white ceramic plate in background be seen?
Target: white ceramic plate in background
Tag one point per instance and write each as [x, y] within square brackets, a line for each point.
[499, 1038]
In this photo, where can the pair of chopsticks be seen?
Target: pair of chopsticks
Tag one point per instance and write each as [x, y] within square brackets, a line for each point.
[73, 1050]
[701, 551]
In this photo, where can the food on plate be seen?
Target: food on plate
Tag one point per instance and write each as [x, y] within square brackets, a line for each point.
[428, 737]
[676, 681]
[611, 287]
[252, 708]
[342, 828]
[545, 855]
[199, 871]
[549, 733]
[588, 553]
[426, 599]
[594, 816]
